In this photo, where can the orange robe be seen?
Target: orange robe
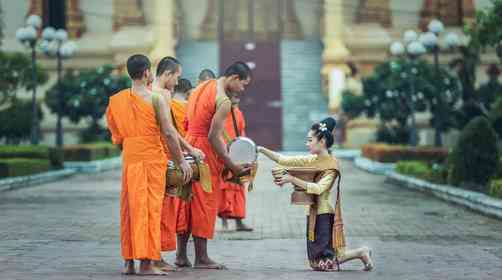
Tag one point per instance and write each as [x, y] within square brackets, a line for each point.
[200, 213]
[132, 123]
[172, 204]
[233, 196]
[179, 110]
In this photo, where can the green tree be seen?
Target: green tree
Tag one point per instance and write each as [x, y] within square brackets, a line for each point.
[398, 89]
[487, 29]
[16, 121]
[488, 92]
[15, 114]
[85, 97]
[474, 160]
[1, 24]
[15, 74]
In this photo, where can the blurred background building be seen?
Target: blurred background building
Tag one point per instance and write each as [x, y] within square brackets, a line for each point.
[298, 49]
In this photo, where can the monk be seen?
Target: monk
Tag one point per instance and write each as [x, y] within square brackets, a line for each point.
[133, 125]
[179, 105]
[208, 108]
[205, 75]
[168, 72]
[233, 196]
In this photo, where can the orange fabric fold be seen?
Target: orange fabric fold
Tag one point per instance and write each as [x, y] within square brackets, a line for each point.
[179, 109]
[131, 121]
[172, 218]
[199, 215]
[233, 196]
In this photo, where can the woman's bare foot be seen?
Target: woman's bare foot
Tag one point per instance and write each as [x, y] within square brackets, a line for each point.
[366, 259]
[164, 266]
[146, 267]
[209, 264]
[129, 268]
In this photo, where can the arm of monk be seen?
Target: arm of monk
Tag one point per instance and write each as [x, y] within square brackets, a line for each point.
[168, 130]
[190, 149]
[292, 161]
[216, 130]
[116, 136]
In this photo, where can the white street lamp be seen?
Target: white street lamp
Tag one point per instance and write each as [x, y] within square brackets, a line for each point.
[435, 26]
[49, 33]
[61, 35]
[397, 48]
[428, 39]
[28, 36]
[452, 40]
[410, 36]
[416, 48]
[34, 21]
[56, 45]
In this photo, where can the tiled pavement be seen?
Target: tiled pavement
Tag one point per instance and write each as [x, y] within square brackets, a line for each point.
[69, 230]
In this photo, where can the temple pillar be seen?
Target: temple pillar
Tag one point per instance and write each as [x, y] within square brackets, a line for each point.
[209, 26]
[291, 25]
[164, 30]
[335, 53]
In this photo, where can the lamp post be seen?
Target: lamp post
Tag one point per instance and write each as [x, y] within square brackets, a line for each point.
[413, 49]
[430, 40]
[28, 36]
[56, 45]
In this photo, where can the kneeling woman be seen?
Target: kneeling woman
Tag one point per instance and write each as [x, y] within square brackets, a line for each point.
[325, 241]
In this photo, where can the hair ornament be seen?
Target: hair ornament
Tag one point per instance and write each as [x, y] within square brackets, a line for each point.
[323, 127]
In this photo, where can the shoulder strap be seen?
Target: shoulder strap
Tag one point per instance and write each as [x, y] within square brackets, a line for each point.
[156, 106]
[236, 128]
[173, 119]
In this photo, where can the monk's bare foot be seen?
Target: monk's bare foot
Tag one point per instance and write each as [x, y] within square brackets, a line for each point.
[129, 268]
[240, 226]
[224, 224]
[164, 266]
[148, 268]
[209, 264]
[182, 262]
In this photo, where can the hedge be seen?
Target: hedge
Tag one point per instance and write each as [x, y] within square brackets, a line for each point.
[23, 166]
[496, 188]
[392, 153]
[90, 152]
[54, 155]
[434, 173]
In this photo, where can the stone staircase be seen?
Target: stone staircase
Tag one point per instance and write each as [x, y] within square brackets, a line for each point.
[197, 55]
[303, 101]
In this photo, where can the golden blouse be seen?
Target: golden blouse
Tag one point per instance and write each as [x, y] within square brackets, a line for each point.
[321, 188]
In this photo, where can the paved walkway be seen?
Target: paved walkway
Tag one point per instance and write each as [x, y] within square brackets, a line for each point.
[69, 230]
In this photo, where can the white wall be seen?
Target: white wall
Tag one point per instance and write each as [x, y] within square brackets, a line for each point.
[405, 14]
[193, 15]
[13, 15]
[308, 13]
[98, 15]
[481, 4]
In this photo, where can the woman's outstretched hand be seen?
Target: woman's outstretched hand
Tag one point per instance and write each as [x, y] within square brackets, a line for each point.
[285, 179]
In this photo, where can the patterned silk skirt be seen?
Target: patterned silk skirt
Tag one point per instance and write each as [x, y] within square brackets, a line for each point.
[321, 249]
